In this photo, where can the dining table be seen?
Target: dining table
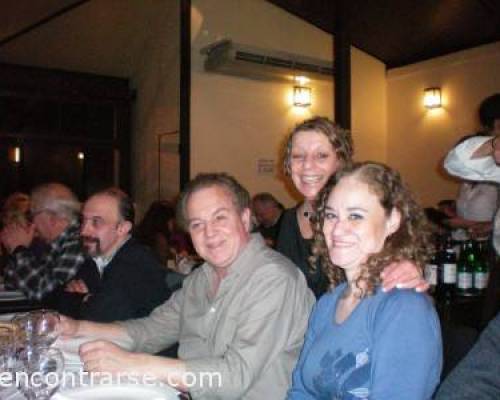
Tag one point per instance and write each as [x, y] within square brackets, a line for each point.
[12, 301]
[77, 384]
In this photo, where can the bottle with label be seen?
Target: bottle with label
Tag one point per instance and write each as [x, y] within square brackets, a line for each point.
[447, 276]
[431, 272]
[465, 269]
[481, 269]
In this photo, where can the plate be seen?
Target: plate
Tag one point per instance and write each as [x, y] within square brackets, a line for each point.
[118, 392]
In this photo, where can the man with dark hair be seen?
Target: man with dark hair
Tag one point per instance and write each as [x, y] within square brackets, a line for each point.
[268, 212]
[132, 282]
[477, 376]
[54, 214]
[489, 113]
[240, 317]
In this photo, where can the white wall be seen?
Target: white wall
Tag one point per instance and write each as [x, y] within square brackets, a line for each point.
[420, 138]
[237, 121]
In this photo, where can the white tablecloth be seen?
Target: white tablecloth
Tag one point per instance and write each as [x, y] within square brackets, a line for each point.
[79, 385]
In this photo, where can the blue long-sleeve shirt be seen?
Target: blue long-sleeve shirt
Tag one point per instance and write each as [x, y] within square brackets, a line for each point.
[388, 348]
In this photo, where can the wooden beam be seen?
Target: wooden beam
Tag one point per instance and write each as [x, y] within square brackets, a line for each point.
[342, 66]
[185, 94]
[41, 22]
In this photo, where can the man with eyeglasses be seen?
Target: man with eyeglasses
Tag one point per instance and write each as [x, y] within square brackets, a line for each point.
[132, 281]
[54, 215]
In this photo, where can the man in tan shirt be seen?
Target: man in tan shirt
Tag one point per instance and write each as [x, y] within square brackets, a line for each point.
[242, 315]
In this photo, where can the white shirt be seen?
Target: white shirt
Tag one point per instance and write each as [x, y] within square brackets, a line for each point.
[458, 162]
[477, 201]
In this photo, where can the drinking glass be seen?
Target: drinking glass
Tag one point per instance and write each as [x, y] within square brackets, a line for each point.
[40, 371]
[7, 352]
[37, 327]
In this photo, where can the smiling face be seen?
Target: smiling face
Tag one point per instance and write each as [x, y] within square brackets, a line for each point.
[102, 229]
[219, 231]
[355, 225]
[312, 161]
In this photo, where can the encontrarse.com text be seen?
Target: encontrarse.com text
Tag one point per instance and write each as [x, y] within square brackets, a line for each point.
[83, 378]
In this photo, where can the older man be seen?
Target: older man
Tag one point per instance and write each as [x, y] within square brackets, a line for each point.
[242, 315]
[132, 282]
[54, 210]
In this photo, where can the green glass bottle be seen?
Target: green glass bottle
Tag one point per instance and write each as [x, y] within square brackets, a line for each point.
[481, 269]
[465, 269]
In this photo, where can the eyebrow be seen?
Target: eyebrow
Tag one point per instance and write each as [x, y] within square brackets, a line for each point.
[348, 208]
[218, 210]
[357, 209]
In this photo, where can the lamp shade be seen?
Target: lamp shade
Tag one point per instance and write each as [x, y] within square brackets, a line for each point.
[301, 96]
[432, 97]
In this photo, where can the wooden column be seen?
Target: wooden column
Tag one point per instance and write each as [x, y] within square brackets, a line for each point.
[185, 93]
[342, 66]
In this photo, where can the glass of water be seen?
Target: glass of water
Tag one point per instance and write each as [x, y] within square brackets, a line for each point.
[37, 327]
[40, 371]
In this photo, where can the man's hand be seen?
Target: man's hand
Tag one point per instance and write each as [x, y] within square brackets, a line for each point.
[481, 229]
[76, 286]
[14, 235]
[104, 356]
[403, 275]
[68, 326]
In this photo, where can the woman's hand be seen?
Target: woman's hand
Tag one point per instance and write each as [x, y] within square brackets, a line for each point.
[403, 275]
[15, 235]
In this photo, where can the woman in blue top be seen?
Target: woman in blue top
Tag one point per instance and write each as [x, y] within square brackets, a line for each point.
[364, 343]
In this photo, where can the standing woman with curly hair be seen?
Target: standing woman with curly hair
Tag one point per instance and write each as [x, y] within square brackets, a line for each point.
[363, 342]
[315, 150]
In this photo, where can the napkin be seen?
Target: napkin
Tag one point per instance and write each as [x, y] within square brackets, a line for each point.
[70, 346]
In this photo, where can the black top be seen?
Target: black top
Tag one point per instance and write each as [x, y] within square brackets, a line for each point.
[294, 246]
[270, 233]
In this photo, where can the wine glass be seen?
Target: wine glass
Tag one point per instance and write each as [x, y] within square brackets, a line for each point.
[38, 327]
[41, 371]
[7, 351]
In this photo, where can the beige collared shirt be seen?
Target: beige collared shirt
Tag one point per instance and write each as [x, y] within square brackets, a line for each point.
[251, 332]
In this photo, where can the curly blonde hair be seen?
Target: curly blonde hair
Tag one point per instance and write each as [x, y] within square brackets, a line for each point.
[411, 241]
[340, 139]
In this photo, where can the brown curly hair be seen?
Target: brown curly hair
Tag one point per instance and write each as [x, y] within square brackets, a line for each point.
[411, 241]
[340, 139]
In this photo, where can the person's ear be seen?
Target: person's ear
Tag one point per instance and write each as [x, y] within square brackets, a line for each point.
[124, 227]
[246, 218]
[393, 222]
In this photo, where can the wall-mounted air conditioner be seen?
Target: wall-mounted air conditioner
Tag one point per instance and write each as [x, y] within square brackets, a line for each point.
[227, 57]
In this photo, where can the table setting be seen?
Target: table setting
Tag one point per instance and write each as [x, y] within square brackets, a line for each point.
[42, 365]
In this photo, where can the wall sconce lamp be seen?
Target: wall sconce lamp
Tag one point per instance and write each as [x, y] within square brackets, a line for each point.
[81, 155]
[15, 154]
[432, 97]
[301, 96]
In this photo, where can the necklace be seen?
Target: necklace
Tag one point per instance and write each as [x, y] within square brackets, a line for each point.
[309, 214]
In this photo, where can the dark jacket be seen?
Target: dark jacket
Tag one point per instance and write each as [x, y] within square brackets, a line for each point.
[132, 284]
